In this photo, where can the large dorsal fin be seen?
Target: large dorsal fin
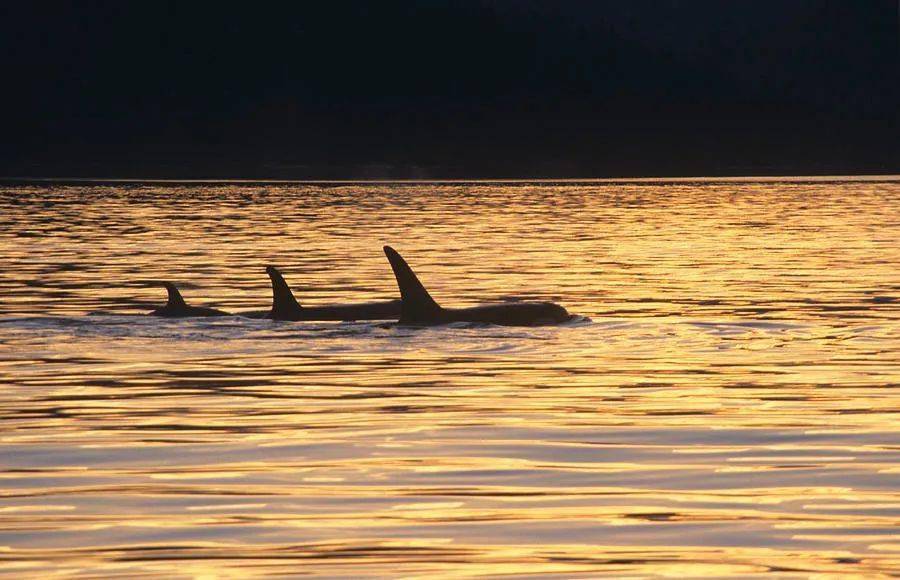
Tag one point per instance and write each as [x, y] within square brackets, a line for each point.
[175, 299]
[418, 305]
[283, 301]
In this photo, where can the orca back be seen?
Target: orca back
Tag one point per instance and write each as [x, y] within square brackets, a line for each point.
[176, 307]
[418, 307]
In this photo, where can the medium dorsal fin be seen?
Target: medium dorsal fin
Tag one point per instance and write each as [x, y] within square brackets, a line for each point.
[418, 305]
[283, 301]
[175, 299]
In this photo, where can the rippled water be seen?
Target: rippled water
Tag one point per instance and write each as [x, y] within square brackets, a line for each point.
[730, 408]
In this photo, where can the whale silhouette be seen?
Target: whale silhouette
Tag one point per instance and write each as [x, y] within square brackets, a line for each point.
[286, 307]
[176, 307]
[418, 307]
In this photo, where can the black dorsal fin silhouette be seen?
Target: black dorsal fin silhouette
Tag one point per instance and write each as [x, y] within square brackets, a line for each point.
[418, 305]
[283, 301]
[175, 299]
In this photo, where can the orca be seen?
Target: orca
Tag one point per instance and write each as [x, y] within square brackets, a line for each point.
[419, 308]
[286, 307]
[176, 307]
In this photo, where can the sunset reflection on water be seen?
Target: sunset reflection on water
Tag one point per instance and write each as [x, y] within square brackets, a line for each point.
[729, 407]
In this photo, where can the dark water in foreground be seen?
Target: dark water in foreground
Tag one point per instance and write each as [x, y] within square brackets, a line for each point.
[731, 408]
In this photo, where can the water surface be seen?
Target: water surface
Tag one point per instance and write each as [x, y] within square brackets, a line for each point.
[729, 408]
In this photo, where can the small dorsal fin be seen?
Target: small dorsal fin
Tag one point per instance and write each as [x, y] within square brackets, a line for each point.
[175, 299]
[418, 305]
[283, 301]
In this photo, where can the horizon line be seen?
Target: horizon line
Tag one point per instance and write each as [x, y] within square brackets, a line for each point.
[701, 178]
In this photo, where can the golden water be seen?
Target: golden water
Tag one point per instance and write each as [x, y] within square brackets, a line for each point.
[730, 408]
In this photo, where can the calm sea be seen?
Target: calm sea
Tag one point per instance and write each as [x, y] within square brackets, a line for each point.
[730, 407]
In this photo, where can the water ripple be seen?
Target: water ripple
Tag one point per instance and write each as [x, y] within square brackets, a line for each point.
[726, 404]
